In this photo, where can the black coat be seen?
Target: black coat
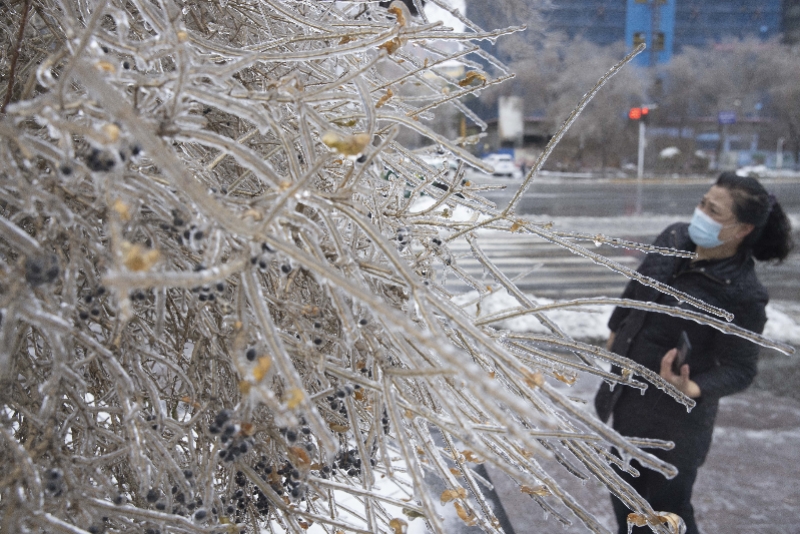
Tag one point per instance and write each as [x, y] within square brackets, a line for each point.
[719, 363]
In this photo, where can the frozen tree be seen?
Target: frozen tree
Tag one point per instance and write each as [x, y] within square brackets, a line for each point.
[221, 299]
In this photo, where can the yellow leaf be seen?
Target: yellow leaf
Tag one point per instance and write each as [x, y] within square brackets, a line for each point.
[346, 39]
[182, 36]
[244, 387]
[254, 214]
[637, 520]
[137, 258]
[541, 491]
[399, 10]
[456, 471]
[533, 379]
[569, 380]
[392, 45]
[111, 131]
[466, 516]
[122, 209]
[299, 456]
[248, 429]
[453, 494]
[470, 457]
[262, 368]
[295, 398]
[339, 428]
[385, 98]
[351, 145]
[471, 77]
[398, 525]
[105, 66]
[516, 226]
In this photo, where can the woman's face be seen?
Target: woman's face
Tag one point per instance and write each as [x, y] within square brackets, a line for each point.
[717, 203]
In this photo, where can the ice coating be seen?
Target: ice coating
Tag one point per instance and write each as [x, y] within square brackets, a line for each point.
[220, 303]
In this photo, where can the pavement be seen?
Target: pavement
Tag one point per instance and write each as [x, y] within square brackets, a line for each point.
[749, 484]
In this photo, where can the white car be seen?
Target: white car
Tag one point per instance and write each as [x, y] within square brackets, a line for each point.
[504, 166]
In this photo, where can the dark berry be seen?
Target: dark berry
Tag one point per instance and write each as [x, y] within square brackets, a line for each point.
[200, 515]
[42, 269]
[220, 286]
[83, 315]
[222, 417]
[152, 496]
[362, 322]
[251, 354]
[188, 473]
[286, 268]
[126, 65]
[119, 500]
[291, 435]
[198, 235]
[66, 170]
[161, 505]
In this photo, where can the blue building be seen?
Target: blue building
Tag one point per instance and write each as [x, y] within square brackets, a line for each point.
[598, 21]
[666, 26]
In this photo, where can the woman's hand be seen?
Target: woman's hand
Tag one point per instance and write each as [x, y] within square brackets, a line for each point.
[682, 382]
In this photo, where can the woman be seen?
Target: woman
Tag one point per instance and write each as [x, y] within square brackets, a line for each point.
[736, 222]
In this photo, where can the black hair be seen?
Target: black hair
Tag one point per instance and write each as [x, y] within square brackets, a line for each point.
[771, 238]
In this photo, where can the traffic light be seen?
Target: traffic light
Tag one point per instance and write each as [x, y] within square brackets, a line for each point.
[638, 114]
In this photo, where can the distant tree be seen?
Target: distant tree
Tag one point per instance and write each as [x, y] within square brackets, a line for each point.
[554, 79]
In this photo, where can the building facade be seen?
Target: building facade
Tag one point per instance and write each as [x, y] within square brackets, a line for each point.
[666, 26]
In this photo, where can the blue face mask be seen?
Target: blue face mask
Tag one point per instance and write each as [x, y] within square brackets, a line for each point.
[704, 231]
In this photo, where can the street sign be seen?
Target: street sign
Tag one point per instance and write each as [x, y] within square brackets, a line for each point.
[727, 117]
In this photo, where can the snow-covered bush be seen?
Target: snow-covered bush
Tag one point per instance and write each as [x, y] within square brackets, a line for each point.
[220, 312]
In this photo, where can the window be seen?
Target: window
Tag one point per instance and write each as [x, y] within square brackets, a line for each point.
[658, 41]
[638, 38]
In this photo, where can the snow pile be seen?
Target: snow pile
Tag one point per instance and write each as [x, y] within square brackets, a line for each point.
[589, 322]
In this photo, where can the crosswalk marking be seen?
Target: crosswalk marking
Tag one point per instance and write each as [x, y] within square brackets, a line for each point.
[542, 268]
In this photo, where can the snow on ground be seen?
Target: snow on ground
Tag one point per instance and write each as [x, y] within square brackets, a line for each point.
[589, 322]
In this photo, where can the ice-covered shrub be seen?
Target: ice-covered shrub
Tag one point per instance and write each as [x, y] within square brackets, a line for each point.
[220, 312]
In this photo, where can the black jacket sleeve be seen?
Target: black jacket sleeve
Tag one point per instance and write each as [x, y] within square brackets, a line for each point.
[736, 359]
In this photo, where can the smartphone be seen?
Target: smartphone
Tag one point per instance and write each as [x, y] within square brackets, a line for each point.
[684, 348]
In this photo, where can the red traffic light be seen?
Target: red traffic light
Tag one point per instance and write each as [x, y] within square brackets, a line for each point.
[637, 114]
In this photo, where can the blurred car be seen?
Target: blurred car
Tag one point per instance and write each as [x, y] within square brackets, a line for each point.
[504, 166]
